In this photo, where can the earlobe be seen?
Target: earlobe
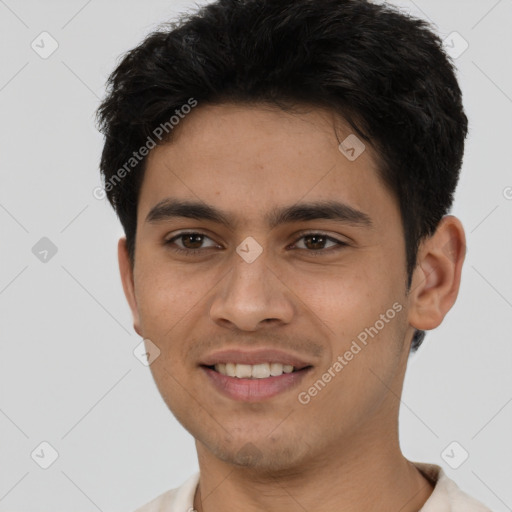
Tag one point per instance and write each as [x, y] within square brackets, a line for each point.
[126, 271]
[436, 279]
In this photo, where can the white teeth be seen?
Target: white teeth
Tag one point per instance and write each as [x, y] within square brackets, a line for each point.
[256, 371]
[230, 369]
[276, 369]
[243, 371]
[261, 371]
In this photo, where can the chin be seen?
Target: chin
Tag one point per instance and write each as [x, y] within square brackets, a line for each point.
[267, 458]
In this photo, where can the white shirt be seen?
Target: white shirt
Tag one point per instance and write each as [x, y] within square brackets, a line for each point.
[446, 496]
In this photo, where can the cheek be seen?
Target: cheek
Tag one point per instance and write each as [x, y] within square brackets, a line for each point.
[164, 296]
[363, 305]
[346, 297]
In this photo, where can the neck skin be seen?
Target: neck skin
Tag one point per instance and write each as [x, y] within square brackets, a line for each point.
[363, 471]
[371, 483]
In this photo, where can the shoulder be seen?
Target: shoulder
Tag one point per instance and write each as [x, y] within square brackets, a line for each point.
[179, 499]
[447, 495]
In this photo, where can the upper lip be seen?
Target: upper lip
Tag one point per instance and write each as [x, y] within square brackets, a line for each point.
[252, 357]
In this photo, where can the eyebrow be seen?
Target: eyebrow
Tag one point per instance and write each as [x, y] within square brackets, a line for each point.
[169, 209]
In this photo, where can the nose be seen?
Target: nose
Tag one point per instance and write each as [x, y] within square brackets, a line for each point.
[251, 296]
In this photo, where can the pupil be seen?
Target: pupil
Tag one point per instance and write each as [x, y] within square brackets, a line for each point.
[317, 240]
[198, 240]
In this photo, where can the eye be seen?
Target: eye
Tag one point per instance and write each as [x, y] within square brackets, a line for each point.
[191, 242]
[315, 243]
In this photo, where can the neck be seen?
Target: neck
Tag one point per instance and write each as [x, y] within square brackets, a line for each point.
[356, 476]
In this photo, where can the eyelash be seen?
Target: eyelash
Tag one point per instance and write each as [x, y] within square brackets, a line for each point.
[318, 252]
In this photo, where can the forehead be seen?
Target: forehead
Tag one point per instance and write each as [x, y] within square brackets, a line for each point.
[251, 159]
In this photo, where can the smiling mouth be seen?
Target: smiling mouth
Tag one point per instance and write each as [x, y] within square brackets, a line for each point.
[254, 371]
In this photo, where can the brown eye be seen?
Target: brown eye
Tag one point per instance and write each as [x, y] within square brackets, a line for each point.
[190, 242]
[316, 244]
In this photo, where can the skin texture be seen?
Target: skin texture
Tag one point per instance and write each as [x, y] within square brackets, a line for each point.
[340, 451]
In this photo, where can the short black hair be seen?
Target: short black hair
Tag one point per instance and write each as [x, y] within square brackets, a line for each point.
[383, 71]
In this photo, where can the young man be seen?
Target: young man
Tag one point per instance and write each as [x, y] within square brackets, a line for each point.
[283, 171]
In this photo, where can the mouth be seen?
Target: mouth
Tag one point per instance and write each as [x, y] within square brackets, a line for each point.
[254, 376]
[254, 371]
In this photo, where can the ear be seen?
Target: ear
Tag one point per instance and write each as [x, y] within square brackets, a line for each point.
[436, 279]
[126, 270]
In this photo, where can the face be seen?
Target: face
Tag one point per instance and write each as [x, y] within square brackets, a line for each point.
[274, 277]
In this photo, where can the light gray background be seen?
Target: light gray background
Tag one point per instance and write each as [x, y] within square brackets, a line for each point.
[68, 375]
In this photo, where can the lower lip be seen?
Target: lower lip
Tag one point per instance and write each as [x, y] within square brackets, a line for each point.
[254, 390]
